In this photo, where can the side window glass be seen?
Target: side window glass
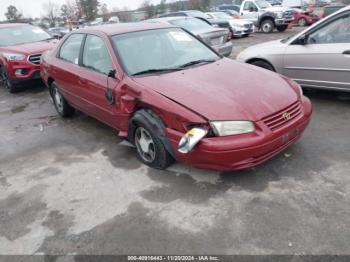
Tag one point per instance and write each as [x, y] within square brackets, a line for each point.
[337, 31]
[70, 49]
[96, 56]
[246, 6]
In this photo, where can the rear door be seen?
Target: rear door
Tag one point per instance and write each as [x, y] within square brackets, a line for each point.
[324, 61]
[96, 64]
[66, 70]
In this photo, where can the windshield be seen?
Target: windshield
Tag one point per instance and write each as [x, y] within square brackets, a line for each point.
[22, 35]
[262, 4]
[159, 49]
[192, 24]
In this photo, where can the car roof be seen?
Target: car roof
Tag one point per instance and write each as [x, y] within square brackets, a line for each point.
[12, 25]
[116, 29]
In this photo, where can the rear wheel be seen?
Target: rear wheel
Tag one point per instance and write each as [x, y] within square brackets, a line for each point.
[302, 22]
[6, 81]
[263, 64]
[61, 104]
[267, 26]
[282, 28]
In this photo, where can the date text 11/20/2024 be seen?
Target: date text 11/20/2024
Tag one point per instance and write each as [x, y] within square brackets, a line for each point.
[173, 258]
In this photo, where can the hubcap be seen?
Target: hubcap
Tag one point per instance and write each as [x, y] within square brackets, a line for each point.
[302, 22]
[58, 99]
[266, 27]
[145, 145]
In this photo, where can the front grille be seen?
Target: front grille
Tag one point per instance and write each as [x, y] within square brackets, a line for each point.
[35, 59]
[283, 117]
[248, 26]
[288, 14]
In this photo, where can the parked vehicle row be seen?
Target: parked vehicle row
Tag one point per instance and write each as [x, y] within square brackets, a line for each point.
[157, 84]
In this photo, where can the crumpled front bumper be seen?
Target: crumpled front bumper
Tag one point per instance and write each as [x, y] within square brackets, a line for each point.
[243, 151]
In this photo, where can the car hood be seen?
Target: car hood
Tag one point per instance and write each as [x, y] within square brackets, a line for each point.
[224, 90]
[31, 48]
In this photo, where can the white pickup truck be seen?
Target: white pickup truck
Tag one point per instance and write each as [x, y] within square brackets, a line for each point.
[265, 16]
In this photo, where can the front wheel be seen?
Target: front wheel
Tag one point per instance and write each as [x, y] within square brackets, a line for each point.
[267, 26]
[61, 104]
[150, 149]
[6, 81]
[282, 28]
[302, 22]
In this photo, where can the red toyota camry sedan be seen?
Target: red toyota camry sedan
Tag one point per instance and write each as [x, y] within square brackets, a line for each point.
[174, 97]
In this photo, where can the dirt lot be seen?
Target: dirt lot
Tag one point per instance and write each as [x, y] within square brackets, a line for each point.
[69, 186]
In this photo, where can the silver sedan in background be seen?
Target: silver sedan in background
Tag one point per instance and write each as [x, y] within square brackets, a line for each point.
[318, 57]
[239, 27]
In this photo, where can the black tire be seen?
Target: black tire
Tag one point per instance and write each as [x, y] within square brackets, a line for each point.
[7, 82]
[162, 158]
[282, 28]
[263, 64]
[61, 104]
[302, 22]
[267, 26]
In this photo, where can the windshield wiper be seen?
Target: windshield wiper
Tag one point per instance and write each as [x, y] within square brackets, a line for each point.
[197, 62]
[46, 39]
[156, 70]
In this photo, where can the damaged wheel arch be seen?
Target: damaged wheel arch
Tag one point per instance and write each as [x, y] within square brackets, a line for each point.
[151, 119]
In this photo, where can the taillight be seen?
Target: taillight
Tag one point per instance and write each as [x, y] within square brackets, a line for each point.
[236, 17]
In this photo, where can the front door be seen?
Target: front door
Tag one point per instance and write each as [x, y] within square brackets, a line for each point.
[324, 60]
[94, 81]
[250, 12]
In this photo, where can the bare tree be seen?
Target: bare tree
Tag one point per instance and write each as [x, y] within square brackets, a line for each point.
[148, 7]
[69, 11]
[13, 15]
[104, 12]
[89, 8]
[52, 12]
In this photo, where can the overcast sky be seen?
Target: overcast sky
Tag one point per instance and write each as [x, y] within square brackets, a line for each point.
[34, 8]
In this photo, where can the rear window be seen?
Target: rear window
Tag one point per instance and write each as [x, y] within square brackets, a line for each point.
[192, 24]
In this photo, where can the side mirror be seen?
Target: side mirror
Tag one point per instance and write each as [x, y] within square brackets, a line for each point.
[109, 91]
[251, 9]
[112, 73]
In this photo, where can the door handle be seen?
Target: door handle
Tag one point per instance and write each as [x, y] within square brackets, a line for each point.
[347, 52]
